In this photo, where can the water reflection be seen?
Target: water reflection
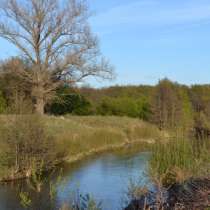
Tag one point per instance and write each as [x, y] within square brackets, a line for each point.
[106, 178]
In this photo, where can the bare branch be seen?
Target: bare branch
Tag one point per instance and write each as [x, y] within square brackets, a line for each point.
[56, 39]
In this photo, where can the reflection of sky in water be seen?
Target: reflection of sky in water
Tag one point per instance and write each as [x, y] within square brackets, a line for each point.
[106, 178]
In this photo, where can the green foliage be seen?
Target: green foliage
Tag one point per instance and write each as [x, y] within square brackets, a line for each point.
[168, 104]
[186, 120]
[69, 102]
[124, 106]
[176, 153]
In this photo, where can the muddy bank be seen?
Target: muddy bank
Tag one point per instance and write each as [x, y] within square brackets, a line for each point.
[194, 194]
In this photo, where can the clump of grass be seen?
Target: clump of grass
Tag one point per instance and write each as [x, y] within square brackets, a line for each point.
[179, 159]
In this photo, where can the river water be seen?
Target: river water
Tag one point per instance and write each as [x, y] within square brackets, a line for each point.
[105, 177]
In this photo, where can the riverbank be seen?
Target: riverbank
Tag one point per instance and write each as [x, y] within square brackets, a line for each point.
[75, 138]
[191, 194]
[180, 172]
[79, 137]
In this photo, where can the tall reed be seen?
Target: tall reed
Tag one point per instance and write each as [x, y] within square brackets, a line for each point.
[180, 159]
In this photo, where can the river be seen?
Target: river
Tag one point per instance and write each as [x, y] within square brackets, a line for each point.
[105, 177]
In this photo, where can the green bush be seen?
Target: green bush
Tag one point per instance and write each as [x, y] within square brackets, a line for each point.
[124, 106]
[69, 102]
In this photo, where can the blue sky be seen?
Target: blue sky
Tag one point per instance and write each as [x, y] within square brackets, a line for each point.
[147, 40]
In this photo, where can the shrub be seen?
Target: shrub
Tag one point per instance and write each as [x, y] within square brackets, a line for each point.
[24, 145]
[69, 102]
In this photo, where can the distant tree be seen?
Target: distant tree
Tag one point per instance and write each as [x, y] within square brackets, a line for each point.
[55, 39]
[145, 111]
[200, 99]
[201, 126]
[187, 114]
[124, 106]
[167, 107]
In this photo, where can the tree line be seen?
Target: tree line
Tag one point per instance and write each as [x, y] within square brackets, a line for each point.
[168, 104]
[58, 50]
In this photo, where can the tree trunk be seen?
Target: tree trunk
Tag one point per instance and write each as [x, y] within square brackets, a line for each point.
[39, 107]
[38, 94]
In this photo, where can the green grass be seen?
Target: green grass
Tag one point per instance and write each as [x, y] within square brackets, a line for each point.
[180, 159]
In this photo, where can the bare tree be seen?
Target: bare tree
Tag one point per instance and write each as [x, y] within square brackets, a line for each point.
[55, 38]
[167, 105]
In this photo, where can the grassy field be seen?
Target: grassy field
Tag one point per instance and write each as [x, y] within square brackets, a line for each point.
[81, 136]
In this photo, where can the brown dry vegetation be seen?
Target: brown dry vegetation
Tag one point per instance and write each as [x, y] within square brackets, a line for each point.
[29, 142]
[77, 136]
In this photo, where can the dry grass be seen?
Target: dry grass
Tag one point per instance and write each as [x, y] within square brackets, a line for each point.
[79, 136]
[72, 138]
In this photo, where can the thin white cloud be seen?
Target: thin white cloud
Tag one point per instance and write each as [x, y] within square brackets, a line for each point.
[155, 13]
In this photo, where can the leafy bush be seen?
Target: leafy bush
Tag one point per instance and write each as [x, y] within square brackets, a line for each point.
[69, 102]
